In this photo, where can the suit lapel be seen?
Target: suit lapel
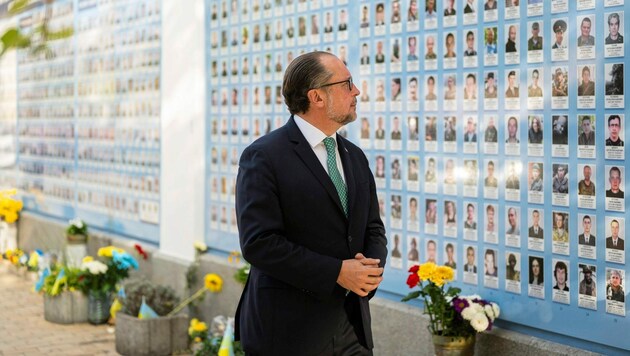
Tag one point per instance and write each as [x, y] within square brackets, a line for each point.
[306, 154]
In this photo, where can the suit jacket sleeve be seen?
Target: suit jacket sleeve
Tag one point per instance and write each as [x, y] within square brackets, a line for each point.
[260, 223]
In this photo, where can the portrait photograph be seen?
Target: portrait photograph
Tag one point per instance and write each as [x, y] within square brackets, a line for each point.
[450, 177]
[559, 48]
[615, 188]
[396, 252]
[535, 229]
[490, 268]
[586, 86]
[491, 225]
[587, 286]
[614, 85]
[614, 46]
[512, 140]
[430, 90]
[561, 281]
[513, 226]
[614, 141]
[430, 133]
[470, 48]
[615, 294]
[490, 47]
[490, 134]
[513, 272]
[430, 51]
[615, 240]
[450, 92]
[490, 101]
[559, 87]
[450, 12]
[512, 180]
[587, 238]
[470, 91]
[449, 50]
[490, 180]
[586, 37]
[430, 251]
[535, 135]
[535, 181]
[470, 221]
[450, 256]
[560, 130]
[560, 183]
[560, 236]
[512, 40]
[490, 10]
[512, 90]
[413, 254]
[430, 217]
[470, 134]
[430, 175]
[470, 264]
[535, 42]
[535, 90]
[450, 218]
[470, 9]
[512, 9]
[536, 278]
[586, 186]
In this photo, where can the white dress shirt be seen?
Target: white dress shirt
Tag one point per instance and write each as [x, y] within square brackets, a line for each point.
[315, 138]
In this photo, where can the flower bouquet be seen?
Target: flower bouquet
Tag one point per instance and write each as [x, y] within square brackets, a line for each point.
[453, 319]
[9, 206]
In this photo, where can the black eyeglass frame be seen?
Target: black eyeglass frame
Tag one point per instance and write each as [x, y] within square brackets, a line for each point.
[349, 81]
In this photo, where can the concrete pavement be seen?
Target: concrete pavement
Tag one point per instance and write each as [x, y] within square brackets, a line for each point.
[23, 330]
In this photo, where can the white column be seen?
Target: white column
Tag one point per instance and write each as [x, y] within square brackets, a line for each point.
[183, 128]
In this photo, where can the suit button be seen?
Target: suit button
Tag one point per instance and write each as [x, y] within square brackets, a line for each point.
[349, 238]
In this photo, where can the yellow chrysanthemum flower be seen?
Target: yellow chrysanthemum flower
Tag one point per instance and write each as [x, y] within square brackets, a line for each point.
[109, 251]
[446, 273]
[200, 327]
[87, 259]
[197, 339]
[426, 271]
[213, 282]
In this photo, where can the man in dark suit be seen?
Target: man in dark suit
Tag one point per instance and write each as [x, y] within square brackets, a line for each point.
[614, 241]
[309, 223]
[536, 231]
[586, 238]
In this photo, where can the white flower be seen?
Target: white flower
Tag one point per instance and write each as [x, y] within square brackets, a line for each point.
[468, 313]
[472, 297]
[496, 309]
[489, 311]
[95, 267]
[76, 222]
[479, 322]
[200, 246]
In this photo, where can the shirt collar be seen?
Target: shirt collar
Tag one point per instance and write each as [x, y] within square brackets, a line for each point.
[313, 135]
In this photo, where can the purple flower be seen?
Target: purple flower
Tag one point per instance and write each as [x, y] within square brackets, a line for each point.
[459, 304]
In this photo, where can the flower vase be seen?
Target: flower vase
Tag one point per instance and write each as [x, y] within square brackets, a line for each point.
[454, 345]
[76, 249]
[98, 307]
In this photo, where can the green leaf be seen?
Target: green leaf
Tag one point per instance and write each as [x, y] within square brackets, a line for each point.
[61, 34]
[410, 296]
[18, 6]
[10, 38]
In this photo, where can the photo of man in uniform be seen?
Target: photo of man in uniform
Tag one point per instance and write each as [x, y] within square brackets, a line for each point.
[535, 42]
[560, 181]
[586, 186]
[490, 180]
[512, 90]
[430, 52]
[559, 27]
[587, 137]
[588, 286]
[490, 91]
[585, 28]
[587, 87]
[510, 45]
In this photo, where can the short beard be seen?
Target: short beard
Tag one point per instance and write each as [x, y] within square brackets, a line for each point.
[340, 119]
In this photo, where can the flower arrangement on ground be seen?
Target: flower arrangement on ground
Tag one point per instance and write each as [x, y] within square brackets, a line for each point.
[9, 206]
[449, 313]
[198, 330]
[102, 276]
[77, 226]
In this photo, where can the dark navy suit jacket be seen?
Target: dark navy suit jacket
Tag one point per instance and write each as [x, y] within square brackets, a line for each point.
[295, 234]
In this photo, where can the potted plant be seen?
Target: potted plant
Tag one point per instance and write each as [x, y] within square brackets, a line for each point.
[76, 238]
[63, 302]
[98, 279]
[454, 320]
[161, 335]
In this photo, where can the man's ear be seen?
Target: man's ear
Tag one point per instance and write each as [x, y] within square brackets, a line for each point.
[315, 97]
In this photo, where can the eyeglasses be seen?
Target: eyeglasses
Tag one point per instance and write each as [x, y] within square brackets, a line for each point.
[349, 81]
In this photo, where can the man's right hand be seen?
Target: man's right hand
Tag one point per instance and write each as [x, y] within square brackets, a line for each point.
[360, 276]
